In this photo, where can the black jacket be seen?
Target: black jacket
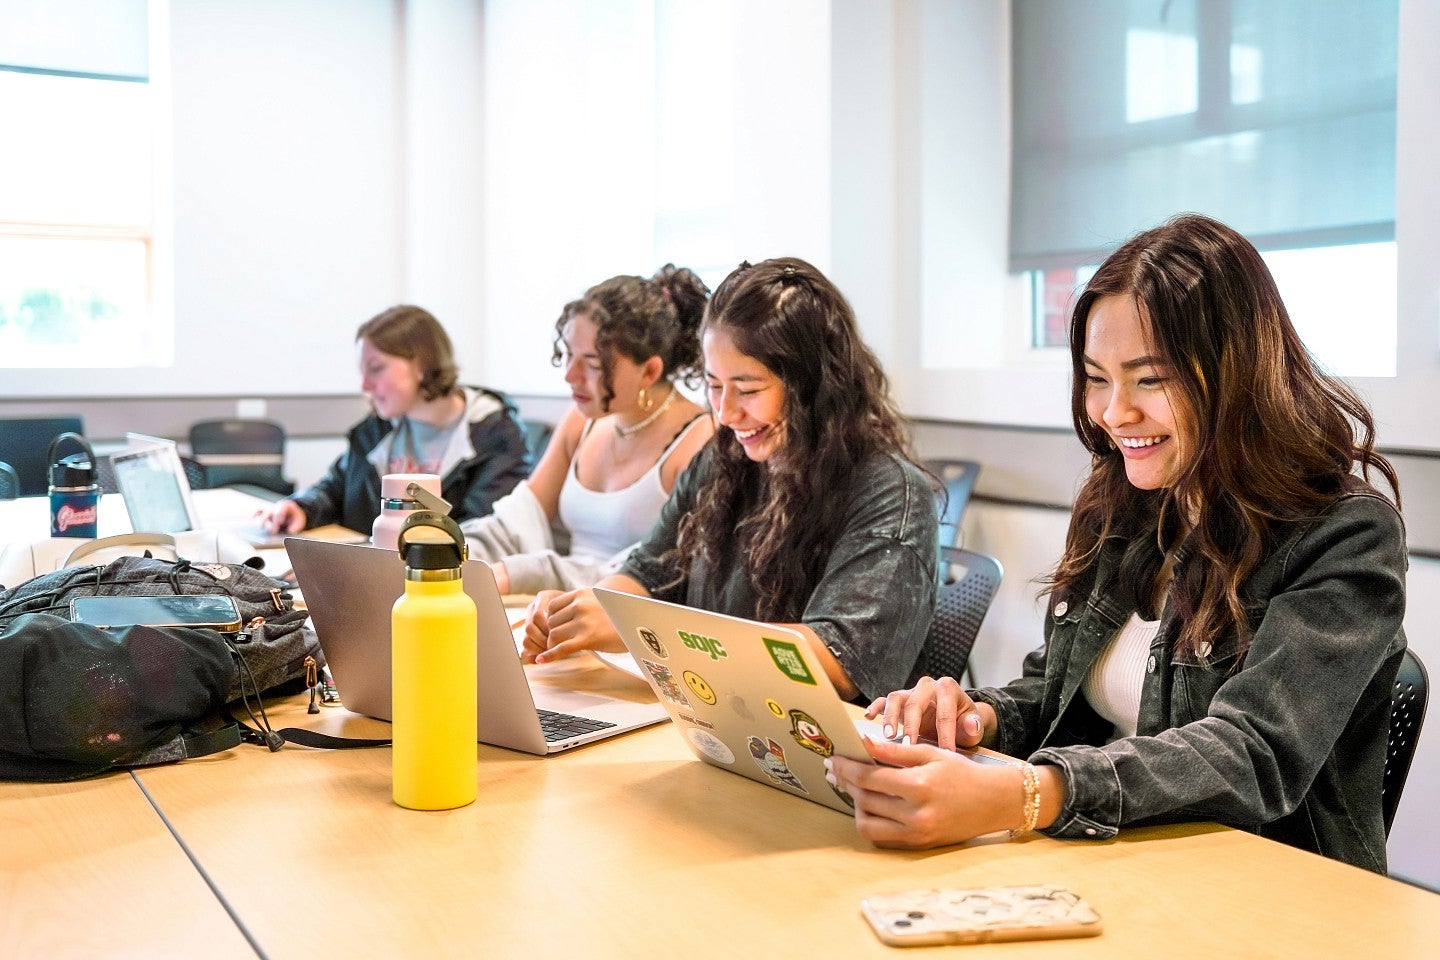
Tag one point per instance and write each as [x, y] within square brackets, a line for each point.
[485, 462]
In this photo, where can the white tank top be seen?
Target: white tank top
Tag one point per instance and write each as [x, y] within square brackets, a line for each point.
[602, 524]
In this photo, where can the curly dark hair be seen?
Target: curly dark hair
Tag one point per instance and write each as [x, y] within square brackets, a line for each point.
[412, 333]
[639, 319]
[783, 516]
[1274, 438]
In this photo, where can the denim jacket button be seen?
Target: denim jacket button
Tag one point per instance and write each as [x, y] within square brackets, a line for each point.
[1150, 667]
[1062, 608]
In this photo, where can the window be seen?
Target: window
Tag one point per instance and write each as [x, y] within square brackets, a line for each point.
[1276, 117]
[76, 188]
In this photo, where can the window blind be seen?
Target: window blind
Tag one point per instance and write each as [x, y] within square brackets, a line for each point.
[89, 38]
[1275, 116]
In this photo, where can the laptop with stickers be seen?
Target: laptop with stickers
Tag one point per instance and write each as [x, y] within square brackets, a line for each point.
[350, 590]
[748, 697]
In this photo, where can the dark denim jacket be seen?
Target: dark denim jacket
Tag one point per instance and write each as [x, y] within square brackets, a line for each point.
[1289, 745]
[876, 596]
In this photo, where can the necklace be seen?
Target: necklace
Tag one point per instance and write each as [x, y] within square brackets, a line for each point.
[625, 433]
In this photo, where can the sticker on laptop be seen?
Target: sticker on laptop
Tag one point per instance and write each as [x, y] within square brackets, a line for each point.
[653, 643]
[769, 756]
[775, 708]
[787, 657]
[808, 734]
[710, 745]
[699, 687]
[697, 721]
[665, 682]
[709, 646]
[845, 798]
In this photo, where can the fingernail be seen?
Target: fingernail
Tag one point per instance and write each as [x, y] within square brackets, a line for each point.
[828, 765]
[830, 779]
[905, 739]
[972, 723]
[889, 732]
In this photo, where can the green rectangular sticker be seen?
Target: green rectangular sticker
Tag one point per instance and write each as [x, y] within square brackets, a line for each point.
[787, 657]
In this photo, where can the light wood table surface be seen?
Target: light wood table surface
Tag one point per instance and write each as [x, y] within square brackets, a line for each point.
[89, 869]
[631, 848]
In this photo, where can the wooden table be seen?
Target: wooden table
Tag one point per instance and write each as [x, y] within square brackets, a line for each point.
[625, 848]
[632, 848]
[90, 869]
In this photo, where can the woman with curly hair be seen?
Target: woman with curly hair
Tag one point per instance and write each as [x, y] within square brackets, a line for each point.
[807, 509]
[614, 458]
[1224, 626]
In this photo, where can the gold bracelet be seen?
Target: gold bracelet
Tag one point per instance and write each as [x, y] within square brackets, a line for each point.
[1030, 801]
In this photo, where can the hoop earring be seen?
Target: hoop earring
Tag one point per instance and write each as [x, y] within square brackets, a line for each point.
[645, 400]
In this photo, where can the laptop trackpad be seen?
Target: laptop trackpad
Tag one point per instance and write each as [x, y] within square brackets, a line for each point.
[566, 701]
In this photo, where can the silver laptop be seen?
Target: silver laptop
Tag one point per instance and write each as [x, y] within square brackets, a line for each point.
[156, 492]
[350, 590]
[748, 697]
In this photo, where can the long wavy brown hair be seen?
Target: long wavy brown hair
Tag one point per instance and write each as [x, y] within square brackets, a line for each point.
[781, 517]
[1268, 436]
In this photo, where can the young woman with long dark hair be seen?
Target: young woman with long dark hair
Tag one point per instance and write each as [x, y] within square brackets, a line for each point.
[807, 508]
[1224, 626]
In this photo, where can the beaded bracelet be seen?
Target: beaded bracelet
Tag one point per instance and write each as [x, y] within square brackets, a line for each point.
[1030, 803]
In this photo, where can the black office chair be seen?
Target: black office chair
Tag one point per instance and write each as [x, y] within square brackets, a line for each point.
[25, 445]
[1407, 713]
[970, 581]
[239, 452]
[958, 477]
[9, 482]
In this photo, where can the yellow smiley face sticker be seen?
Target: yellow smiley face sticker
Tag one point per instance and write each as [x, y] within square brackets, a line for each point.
[699, 687]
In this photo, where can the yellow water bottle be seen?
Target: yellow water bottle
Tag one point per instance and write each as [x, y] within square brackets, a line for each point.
[432, 672]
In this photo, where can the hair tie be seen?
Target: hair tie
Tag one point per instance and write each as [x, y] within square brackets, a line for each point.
[789, 271]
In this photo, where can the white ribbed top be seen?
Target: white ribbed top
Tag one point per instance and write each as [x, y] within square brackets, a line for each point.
[1116, 678]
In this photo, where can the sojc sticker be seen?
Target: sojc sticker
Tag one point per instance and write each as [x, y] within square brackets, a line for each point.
[788, 658]
[709, 646]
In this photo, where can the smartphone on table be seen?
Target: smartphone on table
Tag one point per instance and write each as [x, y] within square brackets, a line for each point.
[214, 610]
[979, 915]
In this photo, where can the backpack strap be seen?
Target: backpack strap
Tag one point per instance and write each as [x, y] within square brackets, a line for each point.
[275, 739]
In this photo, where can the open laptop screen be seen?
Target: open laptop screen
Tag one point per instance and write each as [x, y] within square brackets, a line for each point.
[152, 483]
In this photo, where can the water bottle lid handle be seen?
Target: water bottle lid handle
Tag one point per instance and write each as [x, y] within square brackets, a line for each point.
[432, 554]
[61, 469]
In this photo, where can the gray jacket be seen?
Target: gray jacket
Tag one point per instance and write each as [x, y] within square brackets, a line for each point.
[1288, 744]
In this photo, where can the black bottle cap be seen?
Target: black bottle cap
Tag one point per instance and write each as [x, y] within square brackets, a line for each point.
[76, 470]
[431, 541]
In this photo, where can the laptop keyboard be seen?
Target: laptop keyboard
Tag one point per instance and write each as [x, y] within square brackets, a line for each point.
[562, 726]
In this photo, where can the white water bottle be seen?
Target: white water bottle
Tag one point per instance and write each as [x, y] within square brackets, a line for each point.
[397, 503]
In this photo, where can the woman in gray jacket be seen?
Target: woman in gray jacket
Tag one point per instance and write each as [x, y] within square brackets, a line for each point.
[1224, 626]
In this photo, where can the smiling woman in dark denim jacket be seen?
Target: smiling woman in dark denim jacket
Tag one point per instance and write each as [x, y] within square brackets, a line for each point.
[1224, 626]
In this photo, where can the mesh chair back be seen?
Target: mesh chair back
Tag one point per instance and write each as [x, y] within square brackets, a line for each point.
[195, 474]
[970, 581]
[9, 482]
[1407, 713]
[25, 445]
[105, 474]
[958, 480]
[241, 451]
